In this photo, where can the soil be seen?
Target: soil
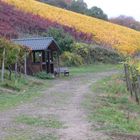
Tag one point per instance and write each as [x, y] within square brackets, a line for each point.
[63, 101]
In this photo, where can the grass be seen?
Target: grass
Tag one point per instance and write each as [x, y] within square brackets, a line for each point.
[22, 89]
[114, 111]
[50, 122]
[93, 68]
[28, 137]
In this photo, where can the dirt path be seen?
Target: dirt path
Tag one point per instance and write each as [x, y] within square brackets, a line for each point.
[62, 101]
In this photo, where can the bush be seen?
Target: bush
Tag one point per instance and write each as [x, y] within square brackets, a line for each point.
[87, 54]
[91, 54]
[44, 75]
[99, 54]
[71, 59]
[11, 86]
[82, 50]
[63, 39]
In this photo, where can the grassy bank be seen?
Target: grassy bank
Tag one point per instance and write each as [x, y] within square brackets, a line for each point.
[115, 111]
[23, 89]
[94, 68]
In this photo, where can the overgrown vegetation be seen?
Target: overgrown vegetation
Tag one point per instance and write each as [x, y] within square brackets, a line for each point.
[62, 38]
[43, 75]
[115, 112]
[20, 90]
[82, 54]
[10, 54]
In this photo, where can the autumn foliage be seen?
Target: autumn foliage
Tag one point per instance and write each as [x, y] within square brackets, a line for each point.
[124, 40]
[15, 23]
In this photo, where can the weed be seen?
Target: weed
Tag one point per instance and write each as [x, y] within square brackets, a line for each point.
[112, 108]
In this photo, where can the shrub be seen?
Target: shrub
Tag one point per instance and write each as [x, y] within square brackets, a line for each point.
[71, 59]
[91, 54]
[44, 75]
[82, 50]
[98, 54]
[63, 39]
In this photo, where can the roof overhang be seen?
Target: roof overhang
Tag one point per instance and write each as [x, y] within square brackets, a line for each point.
[36, 44]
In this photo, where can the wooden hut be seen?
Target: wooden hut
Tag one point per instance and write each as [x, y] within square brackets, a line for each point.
[43, 55]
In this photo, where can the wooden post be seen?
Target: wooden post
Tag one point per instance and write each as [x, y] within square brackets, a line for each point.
[48, 59]
[136, 91]
[126, 76]
[3, 66]
[138, 78]
[135, 85]
[58, 63]
[40, 57]
[16, 66]
[25, 64]
[128, 80]
[34, 56]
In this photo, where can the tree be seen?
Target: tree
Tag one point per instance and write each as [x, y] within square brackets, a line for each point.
[78, 6]
[97, 13]
[127, 21]
[58, 3]
[9, 55]
[64, 40]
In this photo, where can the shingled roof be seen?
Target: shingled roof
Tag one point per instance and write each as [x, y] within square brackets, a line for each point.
[38, 43]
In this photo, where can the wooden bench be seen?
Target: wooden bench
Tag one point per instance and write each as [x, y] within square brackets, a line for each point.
[62, 70]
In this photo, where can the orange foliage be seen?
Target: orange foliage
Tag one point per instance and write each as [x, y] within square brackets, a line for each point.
[126, 41]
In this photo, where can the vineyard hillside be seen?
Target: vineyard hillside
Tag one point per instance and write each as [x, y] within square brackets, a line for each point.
[122, 39]
[16, 23]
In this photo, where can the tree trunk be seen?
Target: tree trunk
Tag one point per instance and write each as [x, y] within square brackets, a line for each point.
[3, 66]
[10, 72]
[16, 69]
[25, 64]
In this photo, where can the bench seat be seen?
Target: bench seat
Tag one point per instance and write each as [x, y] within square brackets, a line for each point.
[62, 70]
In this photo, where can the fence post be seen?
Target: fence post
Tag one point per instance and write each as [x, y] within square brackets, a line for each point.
[135, 84]
[138, 78]
[128, 80]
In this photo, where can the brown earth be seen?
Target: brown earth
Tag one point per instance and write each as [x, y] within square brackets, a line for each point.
[62, 101]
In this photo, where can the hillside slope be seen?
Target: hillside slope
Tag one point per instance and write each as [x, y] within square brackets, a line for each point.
[16, 23]
[120, 38]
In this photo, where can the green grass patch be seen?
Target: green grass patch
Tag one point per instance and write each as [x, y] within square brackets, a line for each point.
[27, 137]
[94, 68]
[113, 119]
[110, 85]
[22, 89]
[50, 122]
[113, 109]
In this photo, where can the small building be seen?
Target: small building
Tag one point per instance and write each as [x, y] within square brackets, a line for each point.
[43, 54]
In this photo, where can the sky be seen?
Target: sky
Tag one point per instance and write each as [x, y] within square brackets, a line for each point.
[114, 8]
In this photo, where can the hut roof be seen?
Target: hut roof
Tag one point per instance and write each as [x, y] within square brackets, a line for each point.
[38, 43]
